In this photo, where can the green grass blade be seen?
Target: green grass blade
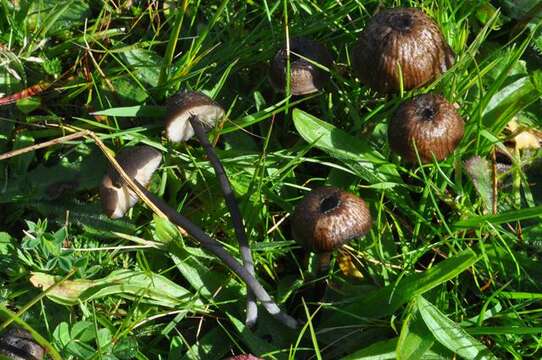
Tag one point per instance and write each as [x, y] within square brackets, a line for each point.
[450, 334]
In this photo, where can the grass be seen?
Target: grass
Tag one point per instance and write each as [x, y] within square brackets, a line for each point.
[439, 275]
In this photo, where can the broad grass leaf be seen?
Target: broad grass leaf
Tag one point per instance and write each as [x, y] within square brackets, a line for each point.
[144, 64]
[256, 344]
[209, 347]
[368, 163]
[504, 217]
[507, 102]
[144, 287]
[133, 111]
[415, 338]
[450, 334]
[197, 273]
[67, 292]
[386, 300]
[382, 350]
[385, 350]
[334, 141]
[54, 17]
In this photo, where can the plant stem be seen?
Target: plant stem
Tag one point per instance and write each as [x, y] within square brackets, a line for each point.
[237, 220]
[214, 246]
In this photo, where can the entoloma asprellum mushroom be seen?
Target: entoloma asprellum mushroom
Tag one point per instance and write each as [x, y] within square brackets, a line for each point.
[139, 162]
[328, 217]
[400, 43]
[190, 113]
[186, 104]
[427, 124]
[306, 77]
[140, 169]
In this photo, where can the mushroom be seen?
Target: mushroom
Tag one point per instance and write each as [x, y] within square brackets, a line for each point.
[192, 113]
[427, 123]
[328, 217]
[139, 162]
[400, 42]
[305, 76]
[18, 344]
[185, 104]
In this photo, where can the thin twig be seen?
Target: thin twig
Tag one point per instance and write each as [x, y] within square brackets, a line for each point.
[236, 218]
[42, 145]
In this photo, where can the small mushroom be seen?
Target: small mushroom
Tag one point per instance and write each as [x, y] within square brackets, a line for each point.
[305, 77]
[428, 122]
[139, 162]
[184, 105]
[400, 41]
[18, 344]
[328, 217]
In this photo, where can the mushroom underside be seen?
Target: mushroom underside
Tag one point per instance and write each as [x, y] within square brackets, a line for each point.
[179, 128]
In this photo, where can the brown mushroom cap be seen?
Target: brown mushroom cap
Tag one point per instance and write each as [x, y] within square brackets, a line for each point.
[405, 38]
[18, 344]
[185, 104]
[139, 162]
[429, 121]
[305, 77]
[328, 217]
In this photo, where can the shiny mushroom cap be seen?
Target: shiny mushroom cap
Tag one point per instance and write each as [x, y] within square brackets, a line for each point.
[139, 162]
[183, 105]
[405, 39]
[18, 344]
[328, 217]
[429, 121]
[305, 77]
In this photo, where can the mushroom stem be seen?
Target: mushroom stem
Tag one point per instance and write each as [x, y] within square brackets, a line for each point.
[214, 246]
[237, 220]
[323, 262]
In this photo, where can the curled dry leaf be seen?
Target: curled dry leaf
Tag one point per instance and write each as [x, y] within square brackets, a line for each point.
[524, 139]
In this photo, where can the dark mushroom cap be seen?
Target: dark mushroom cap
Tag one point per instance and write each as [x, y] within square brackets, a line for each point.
[305, 77]
[429, 121]
[185, 104]
[328, 217]
[139, 162]
[18, 344]
[405, 38]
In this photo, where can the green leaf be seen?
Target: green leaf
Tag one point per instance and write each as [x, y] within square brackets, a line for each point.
[133, 111]
[145, 64]
[148, 288]
[382, 350]
[504, 217]
[209, 347]
[415, 338]
[388, 299]
[478, 170]
[450, 334]
[358, 153]
[507, 102]
[28, 104]
[334, 141]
